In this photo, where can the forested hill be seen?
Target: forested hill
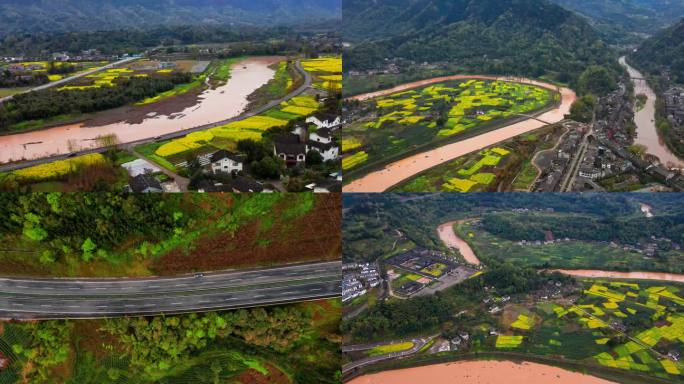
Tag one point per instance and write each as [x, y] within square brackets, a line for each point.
[33, 16]
[628, 20]
[529, 37]
[663, 51]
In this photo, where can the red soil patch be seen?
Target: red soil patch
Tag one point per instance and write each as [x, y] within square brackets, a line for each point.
[315, 236]
[275, 376]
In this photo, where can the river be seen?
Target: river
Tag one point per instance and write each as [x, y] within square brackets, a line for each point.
[451, 240]
[404, 169]
[480, 372]
[659, 276]
[647, 133]
[213, 105]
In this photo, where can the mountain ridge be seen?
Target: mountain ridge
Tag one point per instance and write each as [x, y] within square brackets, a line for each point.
[37, 16]
[664, 50]
[522, 37]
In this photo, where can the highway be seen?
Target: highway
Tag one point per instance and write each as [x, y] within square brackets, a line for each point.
[29, 299]
[72, 78]
[418, 344]
[306, 85]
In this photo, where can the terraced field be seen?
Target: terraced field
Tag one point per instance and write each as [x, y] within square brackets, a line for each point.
[403, 121]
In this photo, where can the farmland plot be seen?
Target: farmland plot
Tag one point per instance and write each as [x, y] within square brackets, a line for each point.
[401, 122]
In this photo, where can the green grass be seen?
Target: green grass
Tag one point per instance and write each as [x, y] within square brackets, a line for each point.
[148, 150]
[527, 176]
[41, 123]
[4, 92]
[178, 90]
[390, 348]
[222, 68]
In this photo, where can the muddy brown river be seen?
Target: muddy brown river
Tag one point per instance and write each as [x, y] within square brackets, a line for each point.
[647, 134]
[213, 105]
[480, 372]
[448, 237]
[660, 276]
[404, 169]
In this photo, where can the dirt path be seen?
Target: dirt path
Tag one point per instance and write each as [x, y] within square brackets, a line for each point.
[395, 173]
[448, 236]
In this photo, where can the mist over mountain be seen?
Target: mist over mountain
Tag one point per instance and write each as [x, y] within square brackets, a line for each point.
[32, 16]
[531, 37]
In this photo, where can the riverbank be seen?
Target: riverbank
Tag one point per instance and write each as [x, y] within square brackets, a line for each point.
[403, 169]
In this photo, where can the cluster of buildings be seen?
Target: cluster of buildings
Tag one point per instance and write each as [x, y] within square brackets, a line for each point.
[559, 162]
[85, 55]
[494, 302]
[615, 117]
[674, 105]
[459, 341]
[600, 162]
[357, 279]
[294, 147]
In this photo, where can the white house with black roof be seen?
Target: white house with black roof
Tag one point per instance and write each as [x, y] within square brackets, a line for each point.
[291, 149]
[226, 162]
[328, 151]
[329, 121]
[322, 135]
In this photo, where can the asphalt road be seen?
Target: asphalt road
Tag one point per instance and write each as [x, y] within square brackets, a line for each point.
[307, 84]
[72, 78]
[25, 299]
[417, 345]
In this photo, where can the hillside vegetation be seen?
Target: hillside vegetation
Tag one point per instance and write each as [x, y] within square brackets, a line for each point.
[524, 37]
[627, 20]
[34, 16]
[663, 51]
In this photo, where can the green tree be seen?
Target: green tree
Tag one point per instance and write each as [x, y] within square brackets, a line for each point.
[88, 248]
[597, 80]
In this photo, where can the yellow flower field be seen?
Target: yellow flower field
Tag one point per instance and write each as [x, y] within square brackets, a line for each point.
[354, 160]
[349, 144]
[58, 168]
[323, 64]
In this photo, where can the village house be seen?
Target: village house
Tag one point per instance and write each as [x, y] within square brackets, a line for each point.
[322, 135]
[243, 184]
[328, 121]
[328, 151]
[291, 149]
[226, 162]
[144, 183]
